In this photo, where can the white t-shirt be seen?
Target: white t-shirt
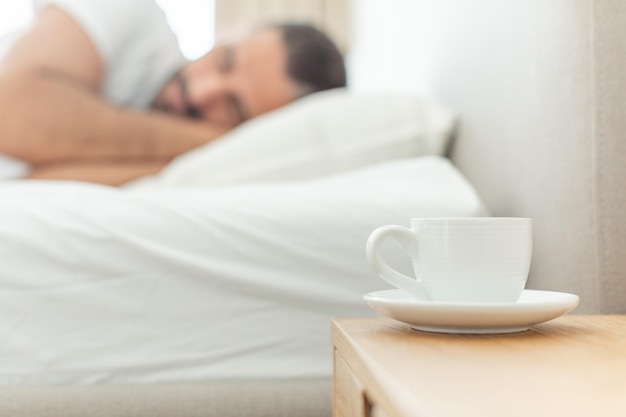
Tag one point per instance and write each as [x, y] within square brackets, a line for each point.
[138, 48]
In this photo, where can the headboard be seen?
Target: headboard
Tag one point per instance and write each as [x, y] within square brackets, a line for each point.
[540, 89]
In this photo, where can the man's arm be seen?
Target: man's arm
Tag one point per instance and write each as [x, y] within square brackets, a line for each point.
[47, 118]
[50, 110]
[98, 172]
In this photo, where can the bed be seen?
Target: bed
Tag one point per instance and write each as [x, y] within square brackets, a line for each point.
[537, 90]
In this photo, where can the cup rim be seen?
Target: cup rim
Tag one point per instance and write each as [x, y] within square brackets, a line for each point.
[482, 219]
[471, 218]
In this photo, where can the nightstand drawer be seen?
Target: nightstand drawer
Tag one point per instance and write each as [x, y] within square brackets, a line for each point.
[348, 396]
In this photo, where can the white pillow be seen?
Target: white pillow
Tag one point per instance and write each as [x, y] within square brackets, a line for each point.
[326, 132]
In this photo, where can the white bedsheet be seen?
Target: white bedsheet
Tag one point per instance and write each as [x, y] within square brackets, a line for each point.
[99, 284]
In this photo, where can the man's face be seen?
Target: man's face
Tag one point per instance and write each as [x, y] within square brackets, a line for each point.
[233, 82]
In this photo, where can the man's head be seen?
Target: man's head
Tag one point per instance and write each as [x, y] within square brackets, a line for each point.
[266, 69]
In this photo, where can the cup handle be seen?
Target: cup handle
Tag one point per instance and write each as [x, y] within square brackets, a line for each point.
[406, 237]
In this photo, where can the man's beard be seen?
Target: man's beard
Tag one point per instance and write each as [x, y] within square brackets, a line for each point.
[189, 109]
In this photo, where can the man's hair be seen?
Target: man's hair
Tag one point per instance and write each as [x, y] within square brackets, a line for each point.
[314, 62]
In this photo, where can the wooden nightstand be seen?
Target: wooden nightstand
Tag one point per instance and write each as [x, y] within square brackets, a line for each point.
[572, 366]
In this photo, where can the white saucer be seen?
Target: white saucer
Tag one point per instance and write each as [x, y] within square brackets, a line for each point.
[532, 308]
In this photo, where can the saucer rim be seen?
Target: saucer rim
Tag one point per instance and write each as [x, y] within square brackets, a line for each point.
[555, 298]
[472, 318]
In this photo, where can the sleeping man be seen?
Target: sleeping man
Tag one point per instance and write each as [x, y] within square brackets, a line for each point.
[98, 90]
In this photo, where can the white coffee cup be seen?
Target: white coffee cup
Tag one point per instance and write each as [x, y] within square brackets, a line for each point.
[476, 260]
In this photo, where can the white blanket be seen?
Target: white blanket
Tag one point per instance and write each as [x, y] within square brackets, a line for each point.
[99, 284]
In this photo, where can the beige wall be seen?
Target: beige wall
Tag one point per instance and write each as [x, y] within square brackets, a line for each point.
[540, 89]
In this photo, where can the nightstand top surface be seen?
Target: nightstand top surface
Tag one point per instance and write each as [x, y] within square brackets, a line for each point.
[570, 366]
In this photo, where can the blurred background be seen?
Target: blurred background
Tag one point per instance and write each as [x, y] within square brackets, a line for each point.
[380, 51]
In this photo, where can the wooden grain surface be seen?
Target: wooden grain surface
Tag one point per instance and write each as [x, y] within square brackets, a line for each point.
[572, 366]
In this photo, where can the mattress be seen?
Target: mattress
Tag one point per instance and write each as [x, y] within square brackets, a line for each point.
[250, 398]
[102, 285]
